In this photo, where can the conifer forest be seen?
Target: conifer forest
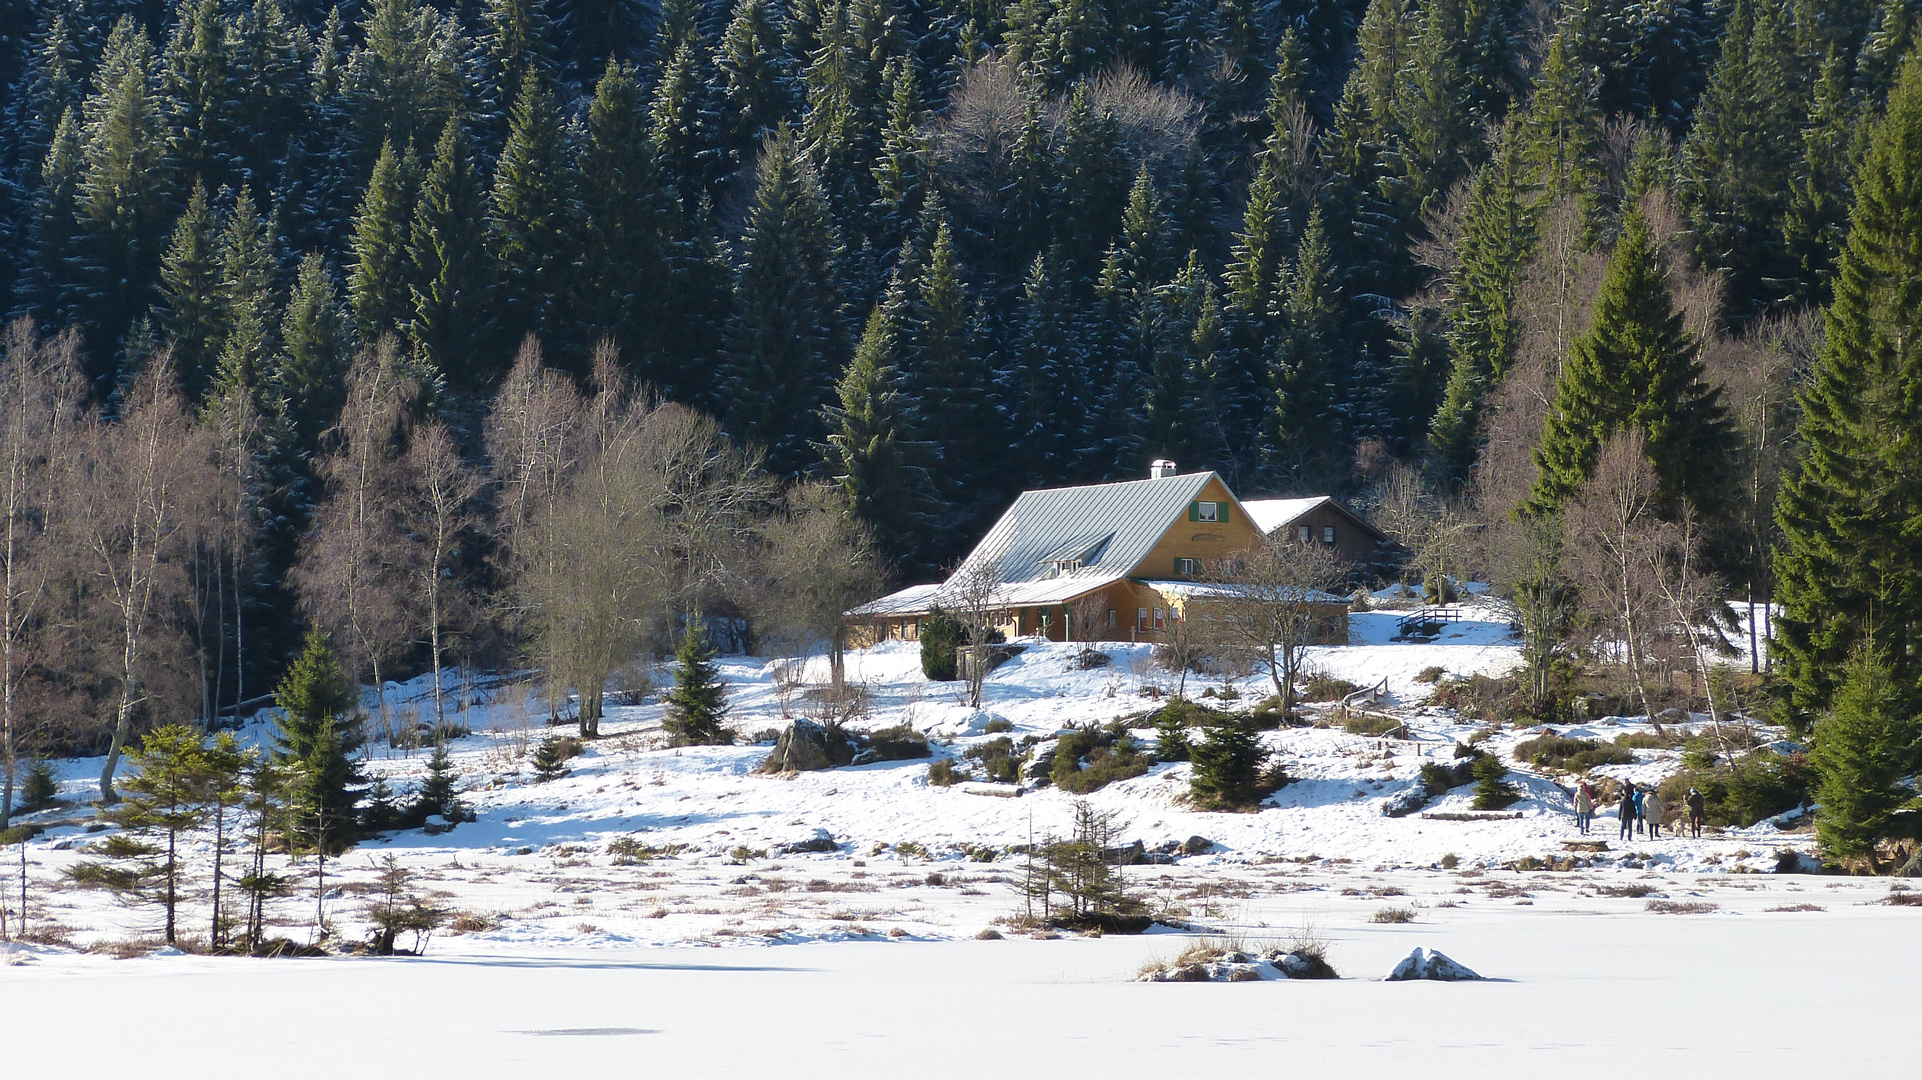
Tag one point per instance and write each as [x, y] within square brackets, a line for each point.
[558, 335]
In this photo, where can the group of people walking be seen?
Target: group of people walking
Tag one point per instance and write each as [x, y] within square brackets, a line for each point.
[1640, 810]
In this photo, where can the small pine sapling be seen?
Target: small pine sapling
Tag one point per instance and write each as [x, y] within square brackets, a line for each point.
[397, 908]
[38, 788]
[1491, 787]
[437, 797]
[1228, 761]
[698, 703]
[1171, 731]
[550, 758]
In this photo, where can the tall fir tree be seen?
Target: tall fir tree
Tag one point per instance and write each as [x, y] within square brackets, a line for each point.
[314, 742]
[316, 337]
[449, 279]
[1498, 234]
[1848, 564]
[1636, 369]
[628, 222]
[870, 450]
[531, 212]
[190, 293]
[248, 305]
[1740, 155]
[778, 347]
[1815, 223]
[378, 287]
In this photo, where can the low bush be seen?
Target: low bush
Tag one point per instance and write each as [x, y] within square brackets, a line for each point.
[1438, 779]
[1431, 674]
[898, 743]
[1393, 915]
[1479, 697]
[1269, 715]
[1000, 762]
[1644, 740]
[1682, 907]
[1739, 793]
[1373, 726]
[1089, 759]
[1552, 751]
[943, 773]
[998, 725]
[940, 636]
[1091, 659]
[1327, 688]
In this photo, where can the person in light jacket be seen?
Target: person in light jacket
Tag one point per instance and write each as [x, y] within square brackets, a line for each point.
[1652, 812]
[1584, 806]
[1626, 808]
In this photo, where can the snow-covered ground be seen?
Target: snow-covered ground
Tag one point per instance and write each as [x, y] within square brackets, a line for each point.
[559, 934]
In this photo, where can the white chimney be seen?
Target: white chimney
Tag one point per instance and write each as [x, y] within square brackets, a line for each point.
[1161, 468]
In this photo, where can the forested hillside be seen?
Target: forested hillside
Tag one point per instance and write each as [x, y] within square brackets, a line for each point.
[1521, 277]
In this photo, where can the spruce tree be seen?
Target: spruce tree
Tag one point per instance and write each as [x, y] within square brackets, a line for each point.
[165, 797]
[377, 287]
[1847, 563]
[627, 224]
[437, 796]
[1227, 765]
[776, 374]
[530, 216]
[759, 85]
[1562, 128]
[1047, 361]
[1498, 234]
[315, 739]
[946, 371]
[1303, 390]
[1864, 748]
[870, 452]
[203, 95]
[315, 342]
[1636, 369]
[122, 194]
[248, 305]
[449, 280]
[1740, 154]
[1815, 223]
[697, 705]
[190, 293]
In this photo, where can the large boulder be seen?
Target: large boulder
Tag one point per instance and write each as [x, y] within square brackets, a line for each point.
[1432, 965]
[808, 747]
[821, 842]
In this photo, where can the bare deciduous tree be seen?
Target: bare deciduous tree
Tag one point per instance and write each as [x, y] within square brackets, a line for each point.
[972, 594]
[1268, 605]
[817, 563]
[440, 495]
[144, 486]
[351, 573]
[39, 403]
[1614, 543]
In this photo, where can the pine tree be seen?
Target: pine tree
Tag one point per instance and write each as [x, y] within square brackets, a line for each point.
[1847, 562]
[550, 758]
[1303, 395]
[687, 129]
[1091, 188]
[870, 453]
[248, 306]
[1498, 233]
[519, 40]
[377, 286]
[1863, 749]
[759, 85]
[697, 705]
[315, 739]
[449, 280]
[901, 173]
[1562, 128]
[122, 194]
[1740, 155]
[531, 211]
[947, 371]
[1171, 735]
[1815, 223]
[1636, 369]
[776, 374]
[166, 796]
[190, 293]
[315, 342]
[1047, 358]
[1227, 765]
[51, 289]
[437, 796]
[627, 223]
[203, 95]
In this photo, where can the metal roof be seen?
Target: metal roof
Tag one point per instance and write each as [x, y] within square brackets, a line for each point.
[1111, 527]
[1201, 590]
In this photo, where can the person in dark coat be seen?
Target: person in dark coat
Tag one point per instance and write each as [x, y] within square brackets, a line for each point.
[1626, 809]
[1696, 812]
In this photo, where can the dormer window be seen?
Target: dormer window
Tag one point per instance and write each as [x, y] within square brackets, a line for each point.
[1057, 567]
[1208, 511]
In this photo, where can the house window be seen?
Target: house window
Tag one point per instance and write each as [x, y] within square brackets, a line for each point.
[1113, 618]
[1207, 512]
[1159, 623]
[1187, 567]
[1328, 534]
[1304, 534]
[1141, 618]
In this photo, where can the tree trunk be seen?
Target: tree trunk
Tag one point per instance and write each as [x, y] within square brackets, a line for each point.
[173, 870]
[220, 841]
